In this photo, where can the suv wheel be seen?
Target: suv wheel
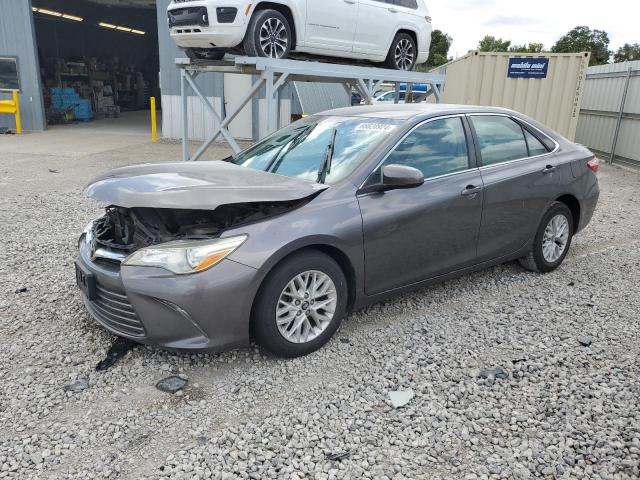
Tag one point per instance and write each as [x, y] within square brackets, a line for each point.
[269, 35]
[205, 53]
[300, 305]
[552, 241]
[403, 53]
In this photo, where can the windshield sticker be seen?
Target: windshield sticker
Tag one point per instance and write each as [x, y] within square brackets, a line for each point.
[376, 127]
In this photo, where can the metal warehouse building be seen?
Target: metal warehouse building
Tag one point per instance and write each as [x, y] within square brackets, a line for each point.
[117, 54]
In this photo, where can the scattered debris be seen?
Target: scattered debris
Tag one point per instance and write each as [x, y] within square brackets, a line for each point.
[571, 284]
[345, 340]
[118, 350]
[585, 341]
[171, 384]
[77, 386]
[401, 398]
[499, 373]
[21, 290]
[51, 170]
[516, 361]
[202, 440]
[338, 457]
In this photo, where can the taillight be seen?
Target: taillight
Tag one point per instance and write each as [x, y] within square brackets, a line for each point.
[593, 164]
[428, 19]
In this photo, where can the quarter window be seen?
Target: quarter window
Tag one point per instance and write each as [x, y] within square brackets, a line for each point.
[500, 138]
[535, 146]
[436, 148]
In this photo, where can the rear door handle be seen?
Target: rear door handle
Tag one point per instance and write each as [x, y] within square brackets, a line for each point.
[471, 190]
[393, 10]
[350, 2]
[549, 169]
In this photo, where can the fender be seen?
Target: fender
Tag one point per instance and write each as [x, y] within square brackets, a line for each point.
[299, 14]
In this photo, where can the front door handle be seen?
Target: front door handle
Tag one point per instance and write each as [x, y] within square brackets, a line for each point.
[471, 190]
[393, 10]
[549, 169]
[350, 2]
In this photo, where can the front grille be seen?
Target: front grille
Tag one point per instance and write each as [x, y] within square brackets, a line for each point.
[114, 310]
[189, 16]
[226, 14]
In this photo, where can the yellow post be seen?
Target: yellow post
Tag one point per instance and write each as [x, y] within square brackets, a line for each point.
[16, 102]
[154, 127]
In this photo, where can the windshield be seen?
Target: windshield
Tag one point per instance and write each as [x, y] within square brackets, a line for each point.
[301, 149]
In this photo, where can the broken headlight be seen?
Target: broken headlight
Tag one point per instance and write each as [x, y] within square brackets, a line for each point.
[186, 256]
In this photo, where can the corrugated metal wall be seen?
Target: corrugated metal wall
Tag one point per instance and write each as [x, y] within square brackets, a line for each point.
[17, 39]
[601, 103]
[480, 78]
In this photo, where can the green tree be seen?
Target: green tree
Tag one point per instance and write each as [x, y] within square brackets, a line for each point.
[529, 48]
[583, 39]
[493, 44]
[439, 51]
[627, 52]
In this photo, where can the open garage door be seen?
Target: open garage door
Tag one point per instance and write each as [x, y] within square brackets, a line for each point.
[99, 62]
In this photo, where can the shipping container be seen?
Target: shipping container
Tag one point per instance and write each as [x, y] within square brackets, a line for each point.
[545, 86]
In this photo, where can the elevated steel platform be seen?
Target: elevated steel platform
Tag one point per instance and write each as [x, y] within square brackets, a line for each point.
[274, 74]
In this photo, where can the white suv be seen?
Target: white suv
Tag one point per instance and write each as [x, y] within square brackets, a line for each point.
[396, 32]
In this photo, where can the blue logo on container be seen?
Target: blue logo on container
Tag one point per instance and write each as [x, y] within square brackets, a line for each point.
[528, 67]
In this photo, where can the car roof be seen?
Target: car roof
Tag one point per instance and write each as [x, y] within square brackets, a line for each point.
[411, 110]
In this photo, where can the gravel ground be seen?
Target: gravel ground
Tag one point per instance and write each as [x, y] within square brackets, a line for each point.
[565, 410]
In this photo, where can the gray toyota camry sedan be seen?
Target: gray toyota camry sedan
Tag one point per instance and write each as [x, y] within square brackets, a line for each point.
[329, 214]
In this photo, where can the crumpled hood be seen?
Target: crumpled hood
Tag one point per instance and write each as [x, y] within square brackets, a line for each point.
[195, 185]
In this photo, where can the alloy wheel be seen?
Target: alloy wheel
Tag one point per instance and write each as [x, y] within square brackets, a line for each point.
[404, 54]
[273, 38]
[306, 306]
[555, 238]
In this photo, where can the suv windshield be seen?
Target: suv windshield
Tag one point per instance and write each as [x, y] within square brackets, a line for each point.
[301, 149]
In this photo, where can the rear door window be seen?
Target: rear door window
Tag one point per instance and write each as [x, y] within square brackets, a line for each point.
[500, 138]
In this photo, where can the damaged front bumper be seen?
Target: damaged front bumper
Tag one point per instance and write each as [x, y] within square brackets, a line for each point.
[208, 310]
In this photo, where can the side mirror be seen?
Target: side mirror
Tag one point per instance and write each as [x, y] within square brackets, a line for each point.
[395, 177]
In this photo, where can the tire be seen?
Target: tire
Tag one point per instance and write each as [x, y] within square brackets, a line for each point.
[275, 289]
[403, 42]
[205, 53]
[539, 261]
[274, 30]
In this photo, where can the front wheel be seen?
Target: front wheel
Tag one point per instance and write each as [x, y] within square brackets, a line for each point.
[269, 35]
[552, 241]
[300, 305]
[403, 53]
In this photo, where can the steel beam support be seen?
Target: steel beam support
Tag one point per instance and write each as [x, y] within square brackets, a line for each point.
[185, 116]
[437, 92]
[224, 123]
[274, 74]
[221, 129]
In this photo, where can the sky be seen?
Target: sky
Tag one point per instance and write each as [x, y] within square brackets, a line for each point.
[539, 21]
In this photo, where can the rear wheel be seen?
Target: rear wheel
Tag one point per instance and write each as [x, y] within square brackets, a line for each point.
[403, 53]
[300, 305]
[205, 53]
[552, 241]
[269, 35]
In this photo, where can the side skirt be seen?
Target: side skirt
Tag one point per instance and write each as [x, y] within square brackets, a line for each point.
[364, 300]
